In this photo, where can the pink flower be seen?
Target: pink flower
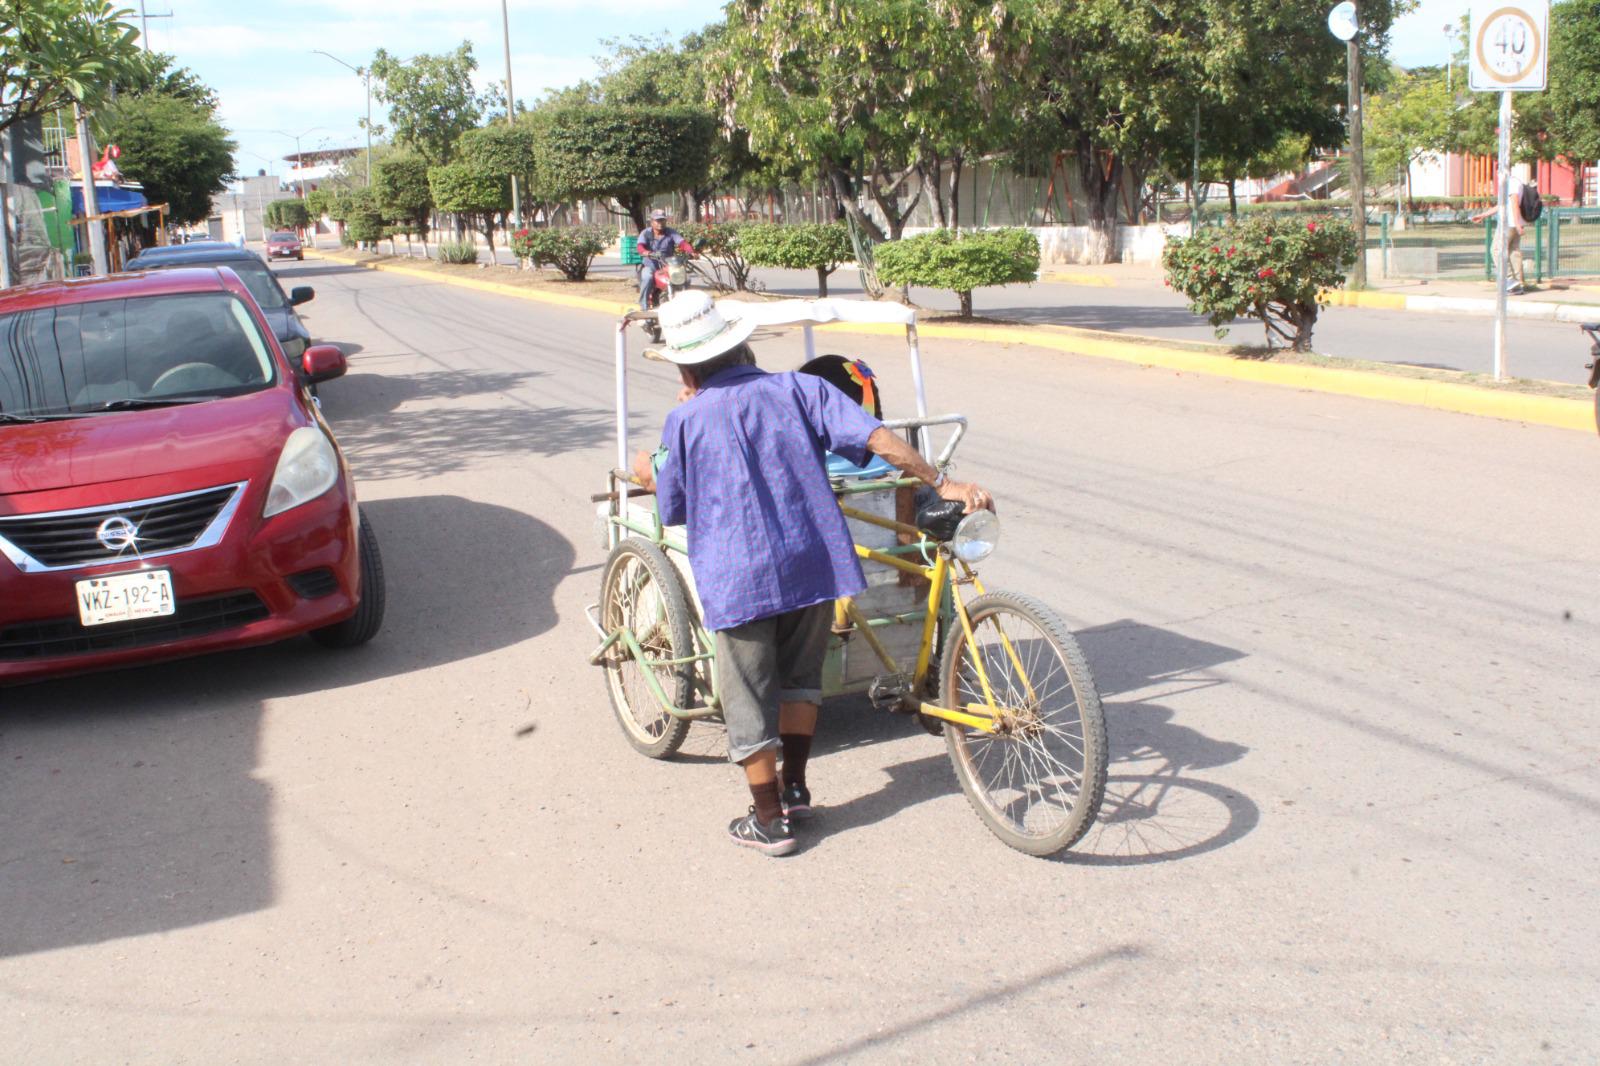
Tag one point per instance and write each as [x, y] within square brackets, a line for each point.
[1215, 250]
[1231, 249]
[1311, 227]
[1264, 272]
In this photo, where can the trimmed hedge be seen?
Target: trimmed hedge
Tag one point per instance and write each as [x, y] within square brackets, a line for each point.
[570, 251]
[1271, 268]
[804, 246]
[960, 262]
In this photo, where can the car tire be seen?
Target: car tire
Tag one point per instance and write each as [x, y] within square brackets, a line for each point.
[368, 619]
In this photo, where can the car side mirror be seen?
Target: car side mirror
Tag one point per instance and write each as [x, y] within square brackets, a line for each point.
[323, 362]
[301, 294]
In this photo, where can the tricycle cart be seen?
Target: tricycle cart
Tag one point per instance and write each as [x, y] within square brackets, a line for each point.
[997, 673]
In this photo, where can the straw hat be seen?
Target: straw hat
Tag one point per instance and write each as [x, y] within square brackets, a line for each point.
[694, 331]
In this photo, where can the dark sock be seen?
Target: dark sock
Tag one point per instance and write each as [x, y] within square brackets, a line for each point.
[769, 807]
[796, 750]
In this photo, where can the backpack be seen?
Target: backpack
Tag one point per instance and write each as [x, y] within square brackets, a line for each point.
[1530, 203]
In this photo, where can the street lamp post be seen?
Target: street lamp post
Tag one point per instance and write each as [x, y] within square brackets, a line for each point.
[366, 76]
[511, 111]
[299, 162]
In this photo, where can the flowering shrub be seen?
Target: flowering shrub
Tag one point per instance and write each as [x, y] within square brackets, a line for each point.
[960, 262]
[571, 250]
[1274, 269]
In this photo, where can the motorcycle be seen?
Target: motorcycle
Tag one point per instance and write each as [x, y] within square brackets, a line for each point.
[1593, 366]
[671, 274]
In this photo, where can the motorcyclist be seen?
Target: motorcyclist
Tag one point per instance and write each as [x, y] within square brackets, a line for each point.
[655, 244]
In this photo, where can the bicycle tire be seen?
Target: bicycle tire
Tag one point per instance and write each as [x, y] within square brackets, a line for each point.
[1028, 768]
[635, 567]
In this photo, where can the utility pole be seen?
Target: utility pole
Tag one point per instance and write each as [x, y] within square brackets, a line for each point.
[91, 199]
[511, 111]
[1358, 172]
[1502, 237]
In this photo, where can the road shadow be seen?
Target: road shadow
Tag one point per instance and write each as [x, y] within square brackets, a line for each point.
[423, 425]
[131, 802]
[1152, 811]
[1115, 318]
[314, 270]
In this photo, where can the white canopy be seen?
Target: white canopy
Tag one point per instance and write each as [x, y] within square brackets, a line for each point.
[796, 312]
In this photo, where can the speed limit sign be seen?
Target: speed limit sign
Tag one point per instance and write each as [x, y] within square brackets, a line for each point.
[1510, 44]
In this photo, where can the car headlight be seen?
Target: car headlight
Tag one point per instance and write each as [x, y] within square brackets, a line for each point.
[307, 468]
[976, 536]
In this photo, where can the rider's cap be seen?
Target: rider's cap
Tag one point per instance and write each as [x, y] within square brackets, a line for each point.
[694, 331]
[658, 214]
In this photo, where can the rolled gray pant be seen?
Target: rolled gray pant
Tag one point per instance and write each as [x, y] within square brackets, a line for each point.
[766, 662]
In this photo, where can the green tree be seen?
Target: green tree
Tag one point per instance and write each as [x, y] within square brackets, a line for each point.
[431, 99]
[287, 214]
[1573, 98]
[654, 72]
[318, 202]
[363, 220]
[400, 183]
[862, 93]
[159, 75]
[175, 149]
[961, 262]
[471, 191]
[808, 246]
[1416, 116]
[54, 53]
[626, 153]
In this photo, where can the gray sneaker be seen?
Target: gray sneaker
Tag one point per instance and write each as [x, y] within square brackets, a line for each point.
[796, 801]
[770, 838]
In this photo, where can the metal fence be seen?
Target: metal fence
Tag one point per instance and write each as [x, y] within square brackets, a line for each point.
[1563, 243]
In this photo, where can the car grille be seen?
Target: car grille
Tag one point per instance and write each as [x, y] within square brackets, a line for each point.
[67, 636]
[63, 539]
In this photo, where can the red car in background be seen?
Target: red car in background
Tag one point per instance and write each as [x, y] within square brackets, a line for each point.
[285, 246]
[168, 485]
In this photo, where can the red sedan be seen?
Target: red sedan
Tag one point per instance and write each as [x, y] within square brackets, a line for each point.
[284, 246]
[168, 485]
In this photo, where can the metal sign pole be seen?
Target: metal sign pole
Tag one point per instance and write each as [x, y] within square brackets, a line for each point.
[1502, 238]
[96, 231]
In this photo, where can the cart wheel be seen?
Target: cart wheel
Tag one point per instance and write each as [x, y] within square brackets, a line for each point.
[1037, 782]
[643, 593]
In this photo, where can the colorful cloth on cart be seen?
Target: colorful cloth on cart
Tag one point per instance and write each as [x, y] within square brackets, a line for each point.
[745, 472]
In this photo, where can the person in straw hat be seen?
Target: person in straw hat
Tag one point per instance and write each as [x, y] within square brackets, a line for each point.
[742, 465]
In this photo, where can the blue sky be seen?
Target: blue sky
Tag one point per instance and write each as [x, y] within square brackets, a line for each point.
[259, 56]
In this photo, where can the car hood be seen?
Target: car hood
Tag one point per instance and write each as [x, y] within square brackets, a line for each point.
[231, 439]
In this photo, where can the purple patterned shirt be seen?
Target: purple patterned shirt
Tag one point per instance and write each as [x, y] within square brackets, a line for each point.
[745, 472]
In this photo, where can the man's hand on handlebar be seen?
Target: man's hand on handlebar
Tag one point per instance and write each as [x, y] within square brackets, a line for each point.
[968, 494]
[885, 443]
[644, 471]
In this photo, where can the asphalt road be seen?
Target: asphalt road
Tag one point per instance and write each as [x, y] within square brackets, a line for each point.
[1349, 657]
[1547, 351]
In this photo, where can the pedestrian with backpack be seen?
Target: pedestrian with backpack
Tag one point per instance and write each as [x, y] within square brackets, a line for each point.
[1523, 205]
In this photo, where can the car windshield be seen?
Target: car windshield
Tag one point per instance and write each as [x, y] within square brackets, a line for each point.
[81, 358]
[283, 237]
[259, 280]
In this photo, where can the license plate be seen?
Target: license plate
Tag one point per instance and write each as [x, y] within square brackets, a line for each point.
[125, 597]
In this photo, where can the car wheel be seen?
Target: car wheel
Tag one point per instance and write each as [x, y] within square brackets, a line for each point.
[368, 619]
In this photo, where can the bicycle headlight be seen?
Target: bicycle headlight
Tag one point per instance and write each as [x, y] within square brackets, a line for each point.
[307, 467]
[976, 536]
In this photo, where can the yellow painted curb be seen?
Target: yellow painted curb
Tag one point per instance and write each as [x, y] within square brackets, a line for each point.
[1387, 301]
[1415, 392]
[1097, 281]
[582, 303]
